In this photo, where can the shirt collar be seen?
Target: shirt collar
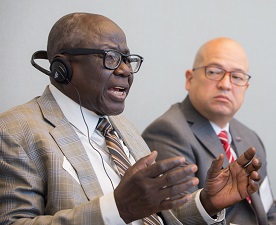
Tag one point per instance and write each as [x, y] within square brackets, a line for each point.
[80, 117]
[217, 129]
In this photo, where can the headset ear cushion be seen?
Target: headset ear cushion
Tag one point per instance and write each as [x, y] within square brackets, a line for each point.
[61, 70]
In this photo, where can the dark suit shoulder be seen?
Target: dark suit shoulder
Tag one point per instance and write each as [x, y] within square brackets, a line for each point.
[172, 118]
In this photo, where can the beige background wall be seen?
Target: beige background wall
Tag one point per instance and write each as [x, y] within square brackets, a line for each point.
[167, 34]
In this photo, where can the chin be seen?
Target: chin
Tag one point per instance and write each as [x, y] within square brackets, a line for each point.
[113, 111]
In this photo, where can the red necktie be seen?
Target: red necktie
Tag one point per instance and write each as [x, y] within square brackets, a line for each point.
[224, 140]
[120, 158]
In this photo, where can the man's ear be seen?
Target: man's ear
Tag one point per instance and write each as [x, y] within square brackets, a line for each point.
[189, 76]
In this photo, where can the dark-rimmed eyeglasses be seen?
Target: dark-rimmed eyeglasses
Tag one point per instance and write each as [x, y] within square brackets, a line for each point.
[112, 58]
[216, 73]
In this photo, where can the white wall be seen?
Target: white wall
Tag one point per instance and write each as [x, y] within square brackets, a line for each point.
[167, 34]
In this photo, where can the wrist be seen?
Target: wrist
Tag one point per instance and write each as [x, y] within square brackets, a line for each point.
[206, 202]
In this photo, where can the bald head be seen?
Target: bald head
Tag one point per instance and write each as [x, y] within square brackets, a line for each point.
[77, 30]
[224, 46]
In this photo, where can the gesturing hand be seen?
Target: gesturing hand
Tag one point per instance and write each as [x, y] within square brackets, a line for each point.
[225, 187]
[149, 187]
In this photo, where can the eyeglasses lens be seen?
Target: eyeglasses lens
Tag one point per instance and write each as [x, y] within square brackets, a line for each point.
[113, 60]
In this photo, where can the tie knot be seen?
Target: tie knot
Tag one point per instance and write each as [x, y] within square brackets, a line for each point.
[104, 126]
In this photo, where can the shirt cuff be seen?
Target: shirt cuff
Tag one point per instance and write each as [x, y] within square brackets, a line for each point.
[207, 218]
[109, 210]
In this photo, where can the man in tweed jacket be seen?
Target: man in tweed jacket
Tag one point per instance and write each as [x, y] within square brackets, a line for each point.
[55, 167]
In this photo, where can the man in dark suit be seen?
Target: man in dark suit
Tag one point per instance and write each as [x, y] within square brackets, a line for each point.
[58, 166]
[216, 88]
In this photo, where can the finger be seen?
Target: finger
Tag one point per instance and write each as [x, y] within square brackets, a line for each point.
[175, 203]
[255, 176]
[255, 165]
[253, 182]
[215, 167]
[174, 191]
[163, 166]
[178, 175]
[246, 157]
[142, 163]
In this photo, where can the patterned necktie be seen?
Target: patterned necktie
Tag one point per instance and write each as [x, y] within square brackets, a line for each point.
[224, 140]
[120, 158]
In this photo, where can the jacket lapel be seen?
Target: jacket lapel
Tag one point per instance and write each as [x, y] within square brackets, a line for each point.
[70, 145]
[130, 136]
[203, 130]
[238, 142]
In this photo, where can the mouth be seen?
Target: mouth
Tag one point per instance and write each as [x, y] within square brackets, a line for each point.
[118, 93]
[222, 98]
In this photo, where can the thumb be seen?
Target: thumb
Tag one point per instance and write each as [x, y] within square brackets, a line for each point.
[215, 167]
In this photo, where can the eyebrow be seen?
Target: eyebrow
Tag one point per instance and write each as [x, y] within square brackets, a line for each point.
[220, 66]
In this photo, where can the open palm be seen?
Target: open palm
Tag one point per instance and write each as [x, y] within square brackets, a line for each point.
[225, 187]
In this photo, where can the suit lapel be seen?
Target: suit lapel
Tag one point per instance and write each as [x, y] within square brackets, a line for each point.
[130, 136]
[73, 150]
[203, 130]
[70, 145]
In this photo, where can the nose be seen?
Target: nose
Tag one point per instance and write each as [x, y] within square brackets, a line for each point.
[123, 70]
[225, 82]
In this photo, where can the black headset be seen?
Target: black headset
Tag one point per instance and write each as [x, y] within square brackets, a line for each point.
[60, 69]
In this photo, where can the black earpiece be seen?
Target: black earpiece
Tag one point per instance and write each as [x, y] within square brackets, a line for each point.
[60, 68]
